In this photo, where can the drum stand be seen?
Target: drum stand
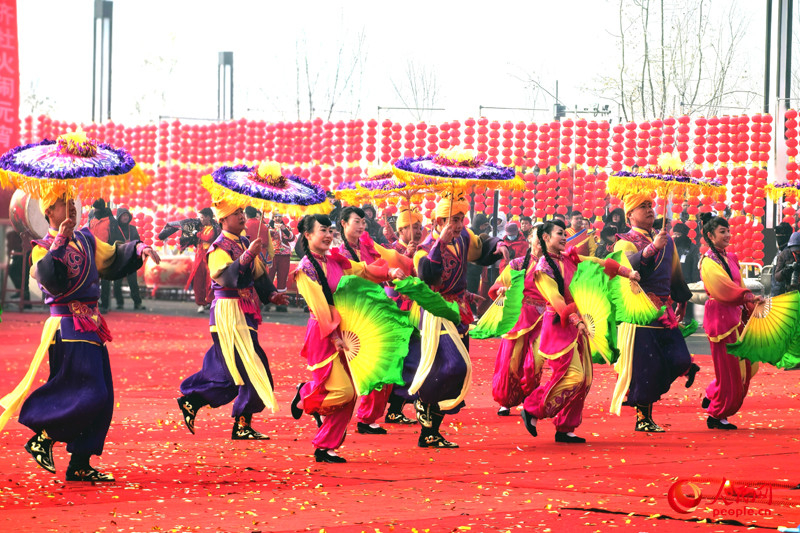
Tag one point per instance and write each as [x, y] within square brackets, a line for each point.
[26, 251]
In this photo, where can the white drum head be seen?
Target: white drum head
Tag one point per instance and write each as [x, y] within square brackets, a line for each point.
[26, 216]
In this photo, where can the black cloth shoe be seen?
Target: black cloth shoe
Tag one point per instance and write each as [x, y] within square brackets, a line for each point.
[644, 420]
[40, 446]
[693, 369]
[435, 441]
[569, 439]
[243, 431]
[504, 411]
[317, 419]
[88, 474]
[369, 430]
[296, 411]
[323, 456]
[398, 418]
[189, 411]
[120, 307]
[706, 402]
[528, 419]
[139, 307]
[716, 423]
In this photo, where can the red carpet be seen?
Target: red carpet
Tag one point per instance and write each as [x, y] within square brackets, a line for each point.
[501, 478]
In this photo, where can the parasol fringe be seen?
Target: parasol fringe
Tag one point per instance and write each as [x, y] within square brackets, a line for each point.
[516, 184]
[50, 190]
[220, 193]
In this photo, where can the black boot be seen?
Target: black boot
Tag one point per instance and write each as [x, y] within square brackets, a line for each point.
[243, 431]
[644, 420]
[79, 469]
[423, 413]
[705, 403]
[394, 415]
[690, 374]
[430, 437]
[40, 446]
[189, 406]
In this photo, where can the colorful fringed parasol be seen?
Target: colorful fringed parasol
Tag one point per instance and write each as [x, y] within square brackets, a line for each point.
[382, 185]
[69, 167]
[456, 168]
[668, 178]
[266, 187]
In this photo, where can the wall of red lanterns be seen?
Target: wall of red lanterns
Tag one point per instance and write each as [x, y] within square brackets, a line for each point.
[564, 163]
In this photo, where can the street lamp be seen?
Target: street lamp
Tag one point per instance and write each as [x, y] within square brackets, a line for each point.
[101, 61]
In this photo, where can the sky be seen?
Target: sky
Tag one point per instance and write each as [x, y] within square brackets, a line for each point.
[165, 54]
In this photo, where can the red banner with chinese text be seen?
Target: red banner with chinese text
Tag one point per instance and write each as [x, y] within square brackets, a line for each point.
[9, 87]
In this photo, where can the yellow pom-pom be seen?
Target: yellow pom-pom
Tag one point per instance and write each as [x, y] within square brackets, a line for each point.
[670, 162]
[380, 171]
[269, 169]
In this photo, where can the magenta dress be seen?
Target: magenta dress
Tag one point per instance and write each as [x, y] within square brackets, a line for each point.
[723, 325]
[518, 366]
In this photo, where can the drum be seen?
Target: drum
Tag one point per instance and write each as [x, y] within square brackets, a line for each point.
[26, 217]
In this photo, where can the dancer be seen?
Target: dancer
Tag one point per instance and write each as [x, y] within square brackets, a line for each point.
[358, 246]
[723, 282]
[235, 367]
[76, 403]
[330, 394]
[199, 279]
[444, 373]
[518, 366]
[409, 233]
[563, 342]
[652, 356]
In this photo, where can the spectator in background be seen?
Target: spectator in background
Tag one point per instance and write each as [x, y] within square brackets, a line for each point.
[516, 243]
[282, 238]
[15, 260]
[101, 227]
[252, 231]
[525, 226]
[477, 273]
[685, 211]
[374, 229]
[200, 278]
[124, 232]
[787, 269]
[617, 218]
[782, 233]
[608, 237]
[689, 255]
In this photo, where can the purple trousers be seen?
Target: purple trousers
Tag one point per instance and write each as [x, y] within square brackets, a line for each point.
[76, 403]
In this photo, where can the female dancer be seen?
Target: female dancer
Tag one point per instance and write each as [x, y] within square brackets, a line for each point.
[331, 393]
[518, 366]
[357, 245]
[563, 341]
[723, 282]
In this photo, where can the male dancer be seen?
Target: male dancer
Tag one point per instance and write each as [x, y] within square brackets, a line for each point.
[76, 403]
[652, 356]
[579, 237]
[443, 376]
[236, 365]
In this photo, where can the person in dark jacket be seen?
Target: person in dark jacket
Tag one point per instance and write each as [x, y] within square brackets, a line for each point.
[103, 225]
[689, 255]
[617, 218]
[123, 231]
[480, 225]
[787, 269]
[782, 233]
[608, 237]
[374, 229]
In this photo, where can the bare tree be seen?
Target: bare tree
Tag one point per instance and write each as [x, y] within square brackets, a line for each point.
[330, 84]
[34, 103]
[418, 90]
[689, 70]
[153, 102]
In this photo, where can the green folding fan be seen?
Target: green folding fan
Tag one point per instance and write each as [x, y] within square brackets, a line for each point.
[590, 293]
[375, 333]
[632, 305]
[771, 331]
[504, 312]
[431, 301]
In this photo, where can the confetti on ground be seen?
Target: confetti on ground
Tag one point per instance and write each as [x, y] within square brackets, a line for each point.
[500, 479]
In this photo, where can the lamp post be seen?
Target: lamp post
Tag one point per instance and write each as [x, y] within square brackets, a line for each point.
[101, 60]
[225, 86]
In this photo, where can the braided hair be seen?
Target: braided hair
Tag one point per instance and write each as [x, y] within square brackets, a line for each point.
[710, 226]
[306, 225]
[346, 213]
[547, 228]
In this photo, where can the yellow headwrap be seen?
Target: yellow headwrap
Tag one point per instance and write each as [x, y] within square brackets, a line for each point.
[222, 209]
[444, 209]
[407, 217]
[635, 199]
